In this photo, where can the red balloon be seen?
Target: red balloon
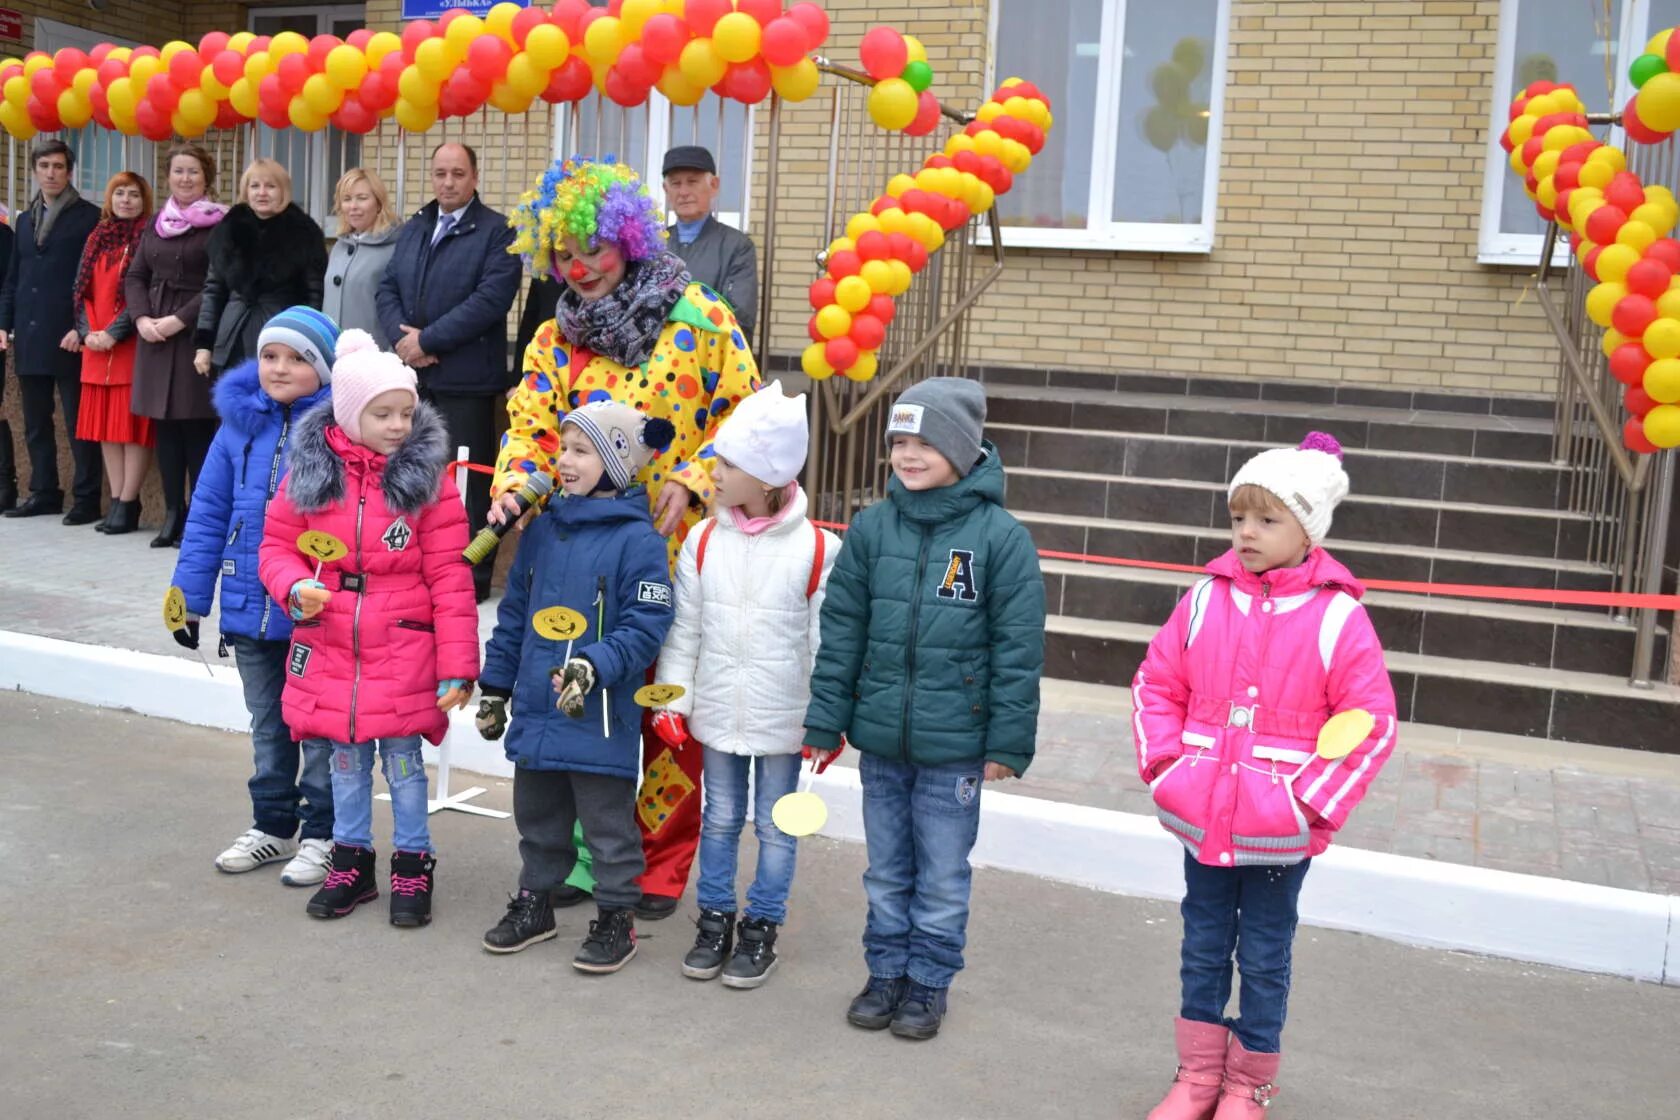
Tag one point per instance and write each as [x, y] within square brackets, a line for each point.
[747, 82]
[67, 63]
[822, 293]
[293, 71]
[525, 22]
[918, 258]
[488, 59]
[874, 246]
[882, 307]
[319, 47]
[785, 41]
[635, 65]
[1633, 434]
[703, 14]
[450, 15]
[615, 8]
[1531, 151]
[813, 19]
[101, 103]
[884, 202]
[811, 329]
[270, 95]
[361, 37]
[100, 52]
[353, 116]
[151, 120]
[927, 115]
[1536, 88]
[44, 86]
[1632, 314]
[842, 353]
[1628, 362]
[228, 66]
[568, 17]
[1590, 263]
[868, 332]
[1603, 224]
[1649, 277]
[663, 38]
[898, 246]
[955, 213]
[412, 36]
[939, 160]
[467, 90]
[1637, 400]
[1027, 89]
[763, 11]
[1666, 250]
[109, 71]
[844, 263]
[623, 90]
[883, 53]
[571, 81]
[153, 52]
[1638, 129]
[377, 91]
[1625, 191]
[163, 93]
[227, 116]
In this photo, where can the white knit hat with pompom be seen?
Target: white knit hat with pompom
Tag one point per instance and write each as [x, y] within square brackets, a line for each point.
[1309, 480]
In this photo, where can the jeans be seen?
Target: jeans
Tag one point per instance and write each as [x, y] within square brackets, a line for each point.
[1248, 912]
[919, 824]
[352, 786]
[720, 833]
[281, 794]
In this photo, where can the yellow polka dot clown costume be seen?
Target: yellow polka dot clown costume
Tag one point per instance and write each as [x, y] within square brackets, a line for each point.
[655, 340]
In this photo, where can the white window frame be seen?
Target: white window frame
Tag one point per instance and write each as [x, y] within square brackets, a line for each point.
[1493, 246]
[1100, 231]
[52, 36]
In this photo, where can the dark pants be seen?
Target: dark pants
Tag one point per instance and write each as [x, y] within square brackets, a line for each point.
[1248, 913]
[8, 465]
[291, 782]
[181, 449]
[40, 436]
[547, 804]
[473, 419]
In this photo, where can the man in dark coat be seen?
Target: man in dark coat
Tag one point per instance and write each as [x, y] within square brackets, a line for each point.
[443, 307]
[37, 323]
[720, 257]
[8, 465]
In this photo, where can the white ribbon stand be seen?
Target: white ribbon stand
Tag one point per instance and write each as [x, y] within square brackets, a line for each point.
[445, 799]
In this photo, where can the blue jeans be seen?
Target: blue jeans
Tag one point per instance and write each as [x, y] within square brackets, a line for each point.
[1248, 913]
[281, 795]
[721, 819]
[352, 786]
[919, 824]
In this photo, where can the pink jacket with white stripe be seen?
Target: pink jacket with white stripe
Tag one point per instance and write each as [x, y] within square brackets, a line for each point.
[1229, 701]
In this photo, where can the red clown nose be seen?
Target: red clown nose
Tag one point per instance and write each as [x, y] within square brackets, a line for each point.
[578, 272]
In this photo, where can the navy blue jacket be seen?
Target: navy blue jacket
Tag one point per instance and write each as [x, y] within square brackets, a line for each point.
[224, 531]
[602, 558]
[458, 294]
[37, 300]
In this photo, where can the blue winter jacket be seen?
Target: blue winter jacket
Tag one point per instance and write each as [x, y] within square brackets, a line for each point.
[602, 558]
[247, 460]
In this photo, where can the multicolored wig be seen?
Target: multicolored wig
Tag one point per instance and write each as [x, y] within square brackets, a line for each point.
[594, 201]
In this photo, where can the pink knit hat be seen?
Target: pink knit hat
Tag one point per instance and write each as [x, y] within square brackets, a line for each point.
[361, 373]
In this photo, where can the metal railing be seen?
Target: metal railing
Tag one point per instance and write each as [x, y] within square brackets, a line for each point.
[847, 466]
[1627, 497]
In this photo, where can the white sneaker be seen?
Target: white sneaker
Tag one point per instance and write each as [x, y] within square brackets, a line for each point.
[310, 865]
[252, 850]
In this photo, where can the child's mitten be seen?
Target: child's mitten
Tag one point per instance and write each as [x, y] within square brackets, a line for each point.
[187, 635]
[573, 683]
[671, 727]
[492, 718]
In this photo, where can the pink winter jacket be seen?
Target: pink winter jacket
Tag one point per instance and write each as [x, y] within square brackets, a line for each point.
[402, 616]
[1228, 705]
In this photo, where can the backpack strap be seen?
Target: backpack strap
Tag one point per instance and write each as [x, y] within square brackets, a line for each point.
[700, 551]
[816, 563]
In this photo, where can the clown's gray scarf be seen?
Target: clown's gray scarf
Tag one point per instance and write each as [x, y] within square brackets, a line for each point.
[625, 323]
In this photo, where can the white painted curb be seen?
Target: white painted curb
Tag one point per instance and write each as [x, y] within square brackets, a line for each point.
[1418, 902]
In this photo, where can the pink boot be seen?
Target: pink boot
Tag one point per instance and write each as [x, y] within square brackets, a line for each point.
[1250, 1084]
[1201, 1067]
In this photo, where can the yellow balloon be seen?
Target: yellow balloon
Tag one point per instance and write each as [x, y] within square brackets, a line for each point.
[1515, 162]
[915, 52]
[87, 78]
[1615, 260]
[525, 77]
[1612, 339]
[242, 95]
[1659, 42]
[304, 118]
[833, 320]
[901, 274]
[382, 44]
[1655, 215]
[841, 245]
[17, 91]
[1612, 156]
[1546, 162]
[459, 35]
[140, 71]
[285, 43]
[432, 59]
[862, 224]
[197, 108]
[237, 42]
[1602, 301]
[1662, 425]
[737, 37]
[635, 13]
[1635, 235]
[415, 118]
[322, 97]
[892, 104]
[16, 121]
[36, 62]
[877, 276]
[499, 21]
[1668, 304]
[257, 66]
[892, 219]
[1016, 156]
[961, 142]
[604, 40]
[1662, 380]
[1662, 338]
[814, 361]
[414, 88]
[1658, 102]
[927, 231]
[699, 62]
[678, 89]
[120, 95]
[547, 45]
[509, 100]
[796, 82]
[346, 66]
[172, 48]
[74, 109]
[864, 368]
[853, 292]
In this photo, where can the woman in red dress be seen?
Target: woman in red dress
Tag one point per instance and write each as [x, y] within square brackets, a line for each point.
[107, 334]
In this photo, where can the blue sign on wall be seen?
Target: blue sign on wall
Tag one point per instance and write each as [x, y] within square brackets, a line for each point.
[422, 9]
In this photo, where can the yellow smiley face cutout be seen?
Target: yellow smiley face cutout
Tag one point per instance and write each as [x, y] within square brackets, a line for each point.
[658, 695]
[799, 814]
[559, 624]
[174, 609]
[1343, 732]
[322, 546]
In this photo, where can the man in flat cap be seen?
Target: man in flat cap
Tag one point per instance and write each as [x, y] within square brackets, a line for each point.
[720, 257]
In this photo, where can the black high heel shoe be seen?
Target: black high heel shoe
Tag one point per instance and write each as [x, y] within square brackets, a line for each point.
[124, 518]
[169, 534]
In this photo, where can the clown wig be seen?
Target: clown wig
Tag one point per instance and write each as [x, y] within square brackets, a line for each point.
[594, 201]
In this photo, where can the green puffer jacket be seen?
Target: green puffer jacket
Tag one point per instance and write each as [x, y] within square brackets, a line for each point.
[933, 629]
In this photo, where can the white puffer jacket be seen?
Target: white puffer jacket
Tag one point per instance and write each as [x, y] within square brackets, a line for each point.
[745, 635]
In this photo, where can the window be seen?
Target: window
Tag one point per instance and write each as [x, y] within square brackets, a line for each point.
[1588, 46]
[1137, 88]
[315, 159]
[100, 153]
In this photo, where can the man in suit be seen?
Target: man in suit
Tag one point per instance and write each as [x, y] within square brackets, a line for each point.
[719, 256]
[38, 327]
[8, 465]
[443, 306]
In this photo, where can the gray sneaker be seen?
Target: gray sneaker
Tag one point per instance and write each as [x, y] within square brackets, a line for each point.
[755, 954]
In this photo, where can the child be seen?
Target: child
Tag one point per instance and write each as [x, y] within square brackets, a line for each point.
[387, 627]
[260, 402]
[749, 594]
[932, 648]
[595, 554]
[1228, 705]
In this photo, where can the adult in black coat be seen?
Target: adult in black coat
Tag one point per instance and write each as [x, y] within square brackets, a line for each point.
[443, 307]
[8, 465]
[38, 324]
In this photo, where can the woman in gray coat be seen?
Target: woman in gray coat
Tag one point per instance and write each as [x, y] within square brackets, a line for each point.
[367, 236]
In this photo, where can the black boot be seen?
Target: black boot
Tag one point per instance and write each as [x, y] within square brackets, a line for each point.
[610, 944]
[563, 896]
[655, 907]
[124, 518]
[169, 533]
[713, 940]
[8, 467]
[113, 512]
[755, 955]
[411, 888]
[921, 1012]
[529, 919]
[83, 514]
[350, 883]
[876, 1005]
[37, 505]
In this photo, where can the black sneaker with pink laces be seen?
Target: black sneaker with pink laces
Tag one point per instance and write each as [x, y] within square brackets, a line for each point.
[411, 888]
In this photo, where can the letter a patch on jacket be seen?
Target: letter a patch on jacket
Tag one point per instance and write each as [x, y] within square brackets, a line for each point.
[960, 582]
[397, 535]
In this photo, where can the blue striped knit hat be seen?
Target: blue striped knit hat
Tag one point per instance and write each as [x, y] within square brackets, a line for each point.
[309, 332]
[625, 439]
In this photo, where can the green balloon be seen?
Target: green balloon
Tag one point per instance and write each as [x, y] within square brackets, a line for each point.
[919, 75]
[1190, 54]
[1646, 67]
[1171, 84]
